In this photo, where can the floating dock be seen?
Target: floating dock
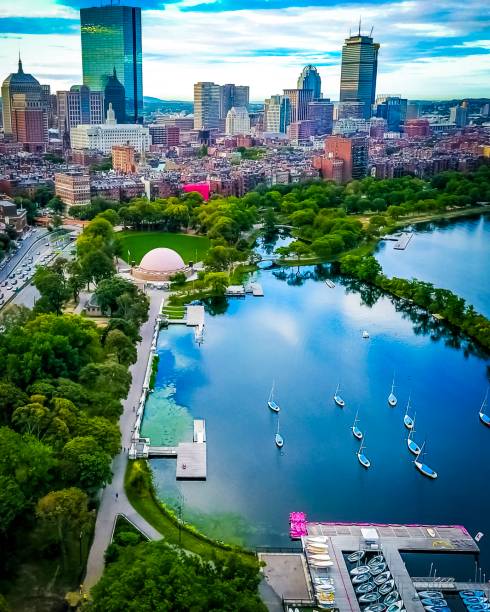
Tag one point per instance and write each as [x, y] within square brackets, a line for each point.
[403, 241]
[235, 291]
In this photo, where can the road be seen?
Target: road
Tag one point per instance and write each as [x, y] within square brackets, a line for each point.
[110, 505]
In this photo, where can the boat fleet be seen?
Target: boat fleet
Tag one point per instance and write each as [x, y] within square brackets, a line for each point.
[318, 555]
[274, 406]
[373, 583]
[473, 600]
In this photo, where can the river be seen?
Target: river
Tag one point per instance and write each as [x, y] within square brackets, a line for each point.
[308, 338]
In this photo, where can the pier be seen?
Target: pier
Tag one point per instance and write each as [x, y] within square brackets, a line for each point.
[386, 539]
[241, 290]
[403, 241]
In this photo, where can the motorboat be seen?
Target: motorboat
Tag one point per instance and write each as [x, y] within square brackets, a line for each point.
[392, 401]
[413, 447]
[377, 569]
[431, 595]
[363, 460]
[355, 430]
[387, 587]
[278, 438]
[407, 419]
[356, 556]
[337, 398]
[367, 587]
[391, 598]
[360, 578]
[360, 569]
[383, 577]
[422, 467]
[271, 403]
[484, 416]
[369, 598]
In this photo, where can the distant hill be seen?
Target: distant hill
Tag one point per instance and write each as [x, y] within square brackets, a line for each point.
[156, 104]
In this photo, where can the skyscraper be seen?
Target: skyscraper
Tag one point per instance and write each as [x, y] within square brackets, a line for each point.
[321, 113]
[237, 121]
[277, 114]
[232, 95]
[359, 70]
[77, 107]
[393, 109]
[310, 79]
[111, 40]
[207, 106]
[114, 93]
[299, 99]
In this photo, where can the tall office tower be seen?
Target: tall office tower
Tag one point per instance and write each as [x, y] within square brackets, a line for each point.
[49, 103]
[29, 122]
[459, 114]
[277, 112]
[359, 70]
[111, 39]
[393, 109]
[237, 121]
[115, 94]
[79, 106]
[21, 83]
[207, 103]
[321, 113]
[233, 96]
[353, 152]
[310, 79]
[299, 99]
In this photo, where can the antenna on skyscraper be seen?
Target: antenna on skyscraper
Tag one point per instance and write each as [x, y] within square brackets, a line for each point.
[371, 32]
[359, 26]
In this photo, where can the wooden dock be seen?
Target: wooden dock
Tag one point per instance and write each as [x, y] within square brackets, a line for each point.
[191, 461]
[403, 241]
[235, 291]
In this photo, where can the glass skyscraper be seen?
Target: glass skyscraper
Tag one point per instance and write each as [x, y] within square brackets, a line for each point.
[359, 71]
[111, 40]
[310, 79]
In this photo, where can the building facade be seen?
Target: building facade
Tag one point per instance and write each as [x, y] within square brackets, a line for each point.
[207, 106]
[299, 100]
[277, 113]
[73, 188]
[237, 121]
[123, 159]
[321, 113]
[232, 95]
[111, 40]
[359, 71]
[310, 79]
[79, 106]
[114, 93]
[393, 109]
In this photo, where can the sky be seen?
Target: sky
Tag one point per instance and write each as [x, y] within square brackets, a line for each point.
[430, 49]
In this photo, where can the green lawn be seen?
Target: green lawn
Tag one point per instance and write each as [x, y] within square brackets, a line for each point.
[190, 248]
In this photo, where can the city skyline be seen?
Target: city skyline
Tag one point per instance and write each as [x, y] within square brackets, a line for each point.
[426, 53]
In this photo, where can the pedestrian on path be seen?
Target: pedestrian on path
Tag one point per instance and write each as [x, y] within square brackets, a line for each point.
[117, 496]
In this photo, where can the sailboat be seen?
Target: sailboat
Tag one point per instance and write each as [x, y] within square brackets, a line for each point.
[407, 419]
[363, 460]
[422, 467]
[355, 430]
[392, 401]
[271, 403]
[413, 447]
[337, 399]
[279, 440]
[484, 417]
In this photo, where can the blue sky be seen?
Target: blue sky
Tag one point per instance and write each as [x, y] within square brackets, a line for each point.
[429, 49]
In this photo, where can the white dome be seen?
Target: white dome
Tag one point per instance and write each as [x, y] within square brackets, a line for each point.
[162, 260]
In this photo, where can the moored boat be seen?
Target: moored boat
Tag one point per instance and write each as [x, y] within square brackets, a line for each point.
[413, 447]
[407, 419]
[387, 587]
[363, 460]
[360, 578]
[361, 569]
[355, 429]
[377, 607]
[383, 577]
[391, 598]
[367, 587]
[422, 467]
[271, 403]
[337, 397]
[484, 416]
[392, 401]
[278, 438]
[356, 556]
[431, 595]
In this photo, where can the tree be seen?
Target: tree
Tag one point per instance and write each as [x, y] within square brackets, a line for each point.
[66, 511]
[120, 346]
[96, 265]
[107, 377]
[12, 502]
[168, 579]
[43, 195]
[110, 289]
[85, 464]
[56, 204]
[11, 397]
[53, 287]
[218, 281]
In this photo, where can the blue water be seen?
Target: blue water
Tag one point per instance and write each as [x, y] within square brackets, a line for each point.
[452, 255]
[308, 338]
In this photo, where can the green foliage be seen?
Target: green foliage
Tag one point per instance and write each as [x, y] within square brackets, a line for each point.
[53, 287]
[154, 371]
[86, 464]
[252, 153]
[56, 204]
[220, 258]
[122, 299]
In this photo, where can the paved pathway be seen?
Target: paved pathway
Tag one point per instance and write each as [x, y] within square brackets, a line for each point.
[110, 506]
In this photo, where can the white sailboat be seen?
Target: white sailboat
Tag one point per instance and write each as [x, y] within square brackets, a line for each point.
[407, 419]
[355, 430]
[279, 439]
[413, 447]
[392, 401]
[337, 398]
[363, 460]
[271, 403]
[484, 417]
[422, 467]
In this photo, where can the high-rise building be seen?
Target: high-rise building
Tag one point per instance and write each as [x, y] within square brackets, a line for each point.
[73, 188]
[79, 106]
[207, 106]
[32, 98]
[111, 40]
[393, 109]
[29, 123]
[459, 114]
[277, 111]
[123, 159]
[299, 99]
[165, 135]
[237, 121]
[359, 70]
[310, 79]
[352, 151]
[321, 113]
[232, 95]
[300, 132]
[350, 110]
[114, 93]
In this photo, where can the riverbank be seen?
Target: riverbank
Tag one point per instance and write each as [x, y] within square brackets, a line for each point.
[142, 496]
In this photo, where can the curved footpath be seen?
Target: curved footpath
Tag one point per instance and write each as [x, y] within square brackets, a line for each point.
[110, 506]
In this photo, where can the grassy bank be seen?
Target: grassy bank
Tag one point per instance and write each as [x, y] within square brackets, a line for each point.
[190, 248]
[141, 494]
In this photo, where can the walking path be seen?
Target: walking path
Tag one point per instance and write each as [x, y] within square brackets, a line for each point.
[110, 505]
